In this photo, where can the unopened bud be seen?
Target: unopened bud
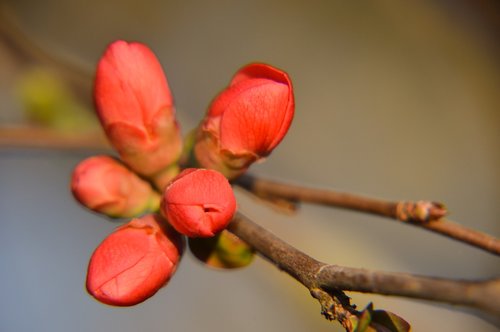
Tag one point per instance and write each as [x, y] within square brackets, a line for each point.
[246, 121]
[199, 202]
[136, 109]
[104, 185]
[134, 262]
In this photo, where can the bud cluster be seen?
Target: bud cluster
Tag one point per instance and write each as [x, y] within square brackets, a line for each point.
[169, 196]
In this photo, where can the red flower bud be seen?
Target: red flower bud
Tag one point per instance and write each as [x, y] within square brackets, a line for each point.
[104, 185]
[136, 109]
[199, 202]
[134, 262]
[246, 121]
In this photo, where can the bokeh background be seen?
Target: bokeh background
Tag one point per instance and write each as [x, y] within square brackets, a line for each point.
[395, 99]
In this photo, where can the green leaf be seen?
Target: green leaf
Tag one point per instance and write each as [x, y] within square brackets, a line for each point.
[391, 321]
[365, 319]
[370, 320]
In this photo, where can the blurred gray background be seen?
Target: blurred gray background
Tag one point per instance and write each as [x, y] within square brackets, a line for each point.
[398, 100]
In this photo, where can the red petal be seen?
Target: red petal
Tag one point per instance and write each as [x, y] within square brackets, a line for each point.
[199, 202]
[130, 265]
[254, 117]
[130, 84]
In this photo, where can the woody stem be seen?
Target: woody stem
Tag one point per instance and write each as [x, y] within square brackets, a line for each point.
[484, 295]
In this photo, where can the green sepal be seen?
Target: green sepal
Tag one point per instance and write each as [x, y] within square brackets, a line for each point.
[225, 251]
[370, 320]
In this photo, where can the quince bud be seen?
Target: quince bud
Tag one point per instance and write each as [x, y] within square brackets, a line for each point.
[246, 121]
[199, 202]
[134, 262]
[104, 185]
[135, 106]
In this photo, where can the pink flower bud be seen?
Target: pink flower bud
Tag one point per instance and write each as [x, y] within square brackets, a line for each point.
[104, 185]
[199, 202]
[136, 109]
[246, 121]
[134, 262]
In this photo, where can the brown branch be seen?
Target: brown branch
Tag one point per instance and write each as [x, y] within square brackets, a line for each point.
[334, 303]
[319, 277]
[484, 295]
[425, 214]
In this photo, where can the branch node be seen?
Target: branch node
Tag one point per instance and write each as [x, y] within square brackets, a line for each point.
[420, 211]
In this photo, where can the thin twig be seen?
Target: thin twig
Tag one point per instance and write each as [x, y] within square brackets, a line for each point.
[315, 275]
[26, 51]
[425, 214]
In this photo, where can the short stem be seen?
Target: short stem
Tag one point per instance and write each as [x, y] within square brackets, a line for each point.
[163, 178]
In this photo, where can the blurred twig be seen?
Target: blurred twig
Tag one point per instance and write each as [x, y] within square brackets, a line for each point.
[27, 52]
[424, 214]
[38, 137]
